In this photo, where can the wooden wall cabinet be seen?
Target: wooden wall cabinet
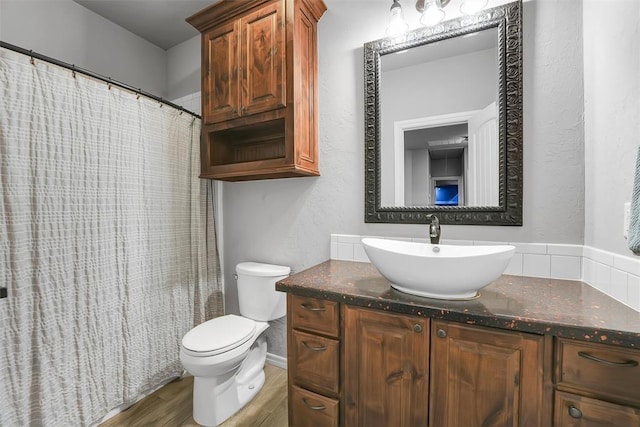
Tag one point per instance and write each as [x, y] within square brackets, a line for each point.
[259, 88]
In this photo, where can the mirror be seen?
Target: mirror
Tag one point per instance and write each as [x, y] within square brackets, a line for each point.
[443, 122]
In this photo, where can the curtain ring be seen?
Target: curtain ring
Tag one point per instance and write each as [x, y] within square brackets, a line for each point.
[73, 70]
[33, 62]
[109, 83]
[161, 102]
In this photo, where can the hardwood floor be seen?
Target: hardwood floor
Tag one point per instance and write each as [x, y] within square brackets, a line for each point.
[171, 406]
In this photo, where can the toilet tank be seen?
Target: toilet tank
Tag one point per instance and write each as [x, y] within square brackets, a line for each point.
[257, 293]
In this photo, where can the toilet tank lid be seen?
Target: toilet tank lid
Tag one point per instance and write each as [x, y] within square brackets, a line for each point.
[259, 269]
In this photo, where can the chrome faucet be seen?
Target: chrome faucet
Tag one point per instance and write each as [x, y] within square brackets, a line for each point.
[434, 229]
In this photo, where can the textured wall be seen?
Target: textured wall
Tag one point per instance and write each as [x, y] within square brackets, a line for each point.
[183, 68]
[611, 116]
[72, 33]
[289, 221]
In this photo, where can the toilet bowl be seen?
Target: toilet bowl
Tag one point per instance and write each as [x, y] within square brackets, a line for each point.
[226, 355]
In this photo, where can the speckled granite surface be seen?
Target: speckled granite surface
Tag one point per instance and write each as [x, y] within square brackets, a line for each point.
[562, 308]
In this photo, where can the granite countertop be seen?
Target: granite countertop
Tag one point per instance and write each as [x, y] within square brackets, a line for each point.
[562, 308]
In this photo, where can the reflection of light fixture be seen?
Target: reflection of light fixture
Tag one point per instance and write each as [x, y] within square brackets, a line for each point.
[431, 13]
[471, 7]
[397, 24]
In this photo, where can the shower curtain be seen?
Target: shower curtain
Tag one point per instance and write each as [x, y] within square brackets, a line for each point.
[107, 244]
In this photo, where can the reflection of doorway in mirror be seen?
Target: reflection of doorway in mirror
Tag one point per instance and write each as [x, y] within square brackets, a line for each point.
[441, 153]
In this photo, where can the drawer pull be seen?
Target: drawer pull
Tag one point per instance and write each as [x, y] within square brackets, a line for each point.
[314, 348]
[312, 308]
[313, 407]
[574, 412]
[625, 364]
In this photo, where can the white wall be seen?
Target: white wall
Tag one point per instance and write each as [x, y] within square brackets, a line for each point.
[611, 117]
[183, 68]
[72, 33]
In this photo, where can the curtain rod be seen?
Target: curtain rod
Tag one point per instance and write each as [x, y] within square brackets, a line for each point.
[91, 74]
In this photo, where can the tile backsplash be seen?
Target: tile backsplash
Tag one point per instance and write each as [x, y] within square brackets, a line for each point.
[616, 275]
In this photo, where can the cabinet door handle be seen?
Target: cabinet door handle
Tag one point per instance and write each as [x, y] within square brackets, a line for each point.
[574, 412]
[312, 308]
[625, 364]
[441, 333]
[313, 407]
[314, 348]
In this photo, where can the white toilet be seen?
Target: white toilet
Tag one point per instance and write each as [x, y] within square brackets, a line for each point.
[226, 355]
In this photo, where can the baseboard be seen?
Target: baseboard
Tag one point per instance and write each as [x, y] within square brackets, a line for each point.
[275, 360]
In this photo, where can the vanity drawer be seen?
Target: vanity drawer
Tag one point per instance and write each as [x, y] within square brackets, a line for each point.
[315, 315]
[312, 410]
[571, 410]
[316, 362]
[602, 370]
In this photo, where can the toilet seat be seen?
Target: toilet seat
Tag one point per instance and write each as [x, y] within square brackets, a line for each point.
[218, 335]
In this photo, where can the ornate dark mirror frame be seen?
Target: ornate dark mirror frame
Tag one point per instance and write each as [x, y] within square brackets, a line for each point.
[508, 20]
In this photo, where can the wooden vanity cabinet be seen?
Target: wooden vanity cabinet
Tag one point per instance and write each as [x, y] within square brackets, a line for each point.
[313, 353]
[596, 385]
[359, 367]
[259, 88]
[486, 377]
[386, 369]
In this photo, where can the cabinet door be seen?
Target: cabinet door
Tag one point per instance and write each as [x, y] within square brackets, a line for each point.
[386, 369]
[485, 377]
[263, 59]
[221, 74]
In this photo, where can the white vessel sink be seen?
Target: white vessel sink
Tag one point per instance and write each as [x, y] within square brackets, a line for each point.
[438, 271]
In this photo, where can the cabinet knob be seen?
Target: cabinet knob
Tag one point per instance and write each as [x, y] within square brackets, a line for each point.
[574, 412]
[441, 333]
[417, 328]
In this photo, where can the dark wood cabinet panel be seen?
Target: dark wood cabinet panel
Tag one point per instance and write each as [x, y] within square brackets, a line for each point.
[222, 59]
[386, 369]
[309, 409]
[600, 370]
[263, 59]
[314, 315]
[572, 410]
[596, 385]
[316, 362]
[485, 377]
